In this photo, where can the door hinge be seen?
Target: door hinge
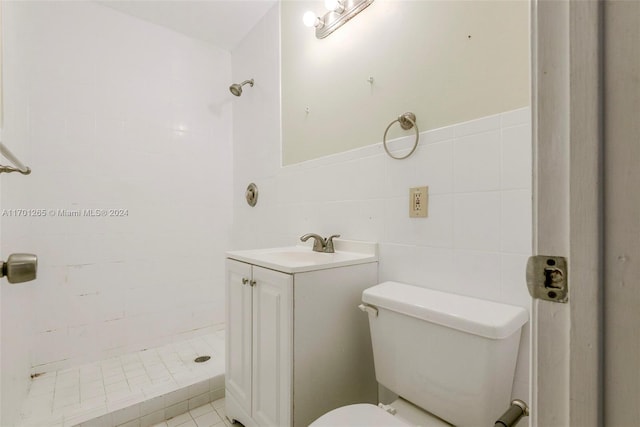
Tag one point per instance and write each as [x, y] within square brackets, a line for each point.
[547, 278]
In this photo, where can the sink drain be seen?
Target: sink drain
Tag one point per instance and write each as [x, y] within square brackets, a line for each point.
[201, 359]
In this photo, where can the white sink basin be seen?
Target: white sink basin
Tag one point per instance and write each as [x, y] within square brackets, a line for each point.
[297, 259]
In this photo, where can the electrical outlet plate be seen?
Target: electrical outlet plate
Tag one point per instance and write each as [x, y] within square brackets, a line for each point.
[418, 202]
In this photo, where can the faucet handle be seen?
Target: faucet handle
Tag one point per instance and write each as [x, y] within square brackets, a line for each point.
[318, 241]
[329, 244]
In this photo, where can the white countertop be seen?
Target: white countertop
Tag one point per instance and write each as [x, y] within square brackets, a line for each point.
[298, 259]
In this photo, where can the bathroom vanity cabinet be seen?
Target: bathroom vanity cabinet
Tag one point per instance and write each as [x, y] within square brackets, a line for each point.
[297, 345]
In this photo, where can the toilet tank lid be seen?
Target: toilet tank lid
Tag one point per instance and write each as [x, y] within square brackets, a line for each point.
[472, 315]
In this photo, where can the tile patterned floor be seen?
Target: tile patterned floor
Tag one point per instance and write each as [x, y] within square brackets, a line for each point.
[143, 383]
[209, 415]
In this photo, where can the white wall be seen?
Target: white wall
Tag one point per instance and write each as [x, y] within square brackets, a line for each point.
[15, 318]
[478, 234]
[113, 112]
[15, 335]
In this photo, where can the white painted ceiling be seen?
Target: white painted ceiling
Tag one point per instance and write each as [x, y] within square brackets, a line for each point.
[223, 23]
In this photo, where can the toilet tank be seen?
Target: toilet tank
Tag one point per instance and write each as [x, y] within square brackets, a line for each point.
[451, 355]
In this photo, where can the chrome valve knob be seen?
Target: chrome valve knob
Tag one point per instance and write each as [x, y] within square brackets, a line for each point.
[19, 268]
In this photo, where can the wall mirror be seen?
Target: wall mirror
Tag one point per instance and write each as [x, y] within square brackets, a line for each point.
[446, 61]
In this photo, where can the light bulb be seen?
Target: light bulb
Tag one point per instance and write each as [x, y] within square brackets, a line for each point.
[309, 18]
[331, 4]
[334, 5]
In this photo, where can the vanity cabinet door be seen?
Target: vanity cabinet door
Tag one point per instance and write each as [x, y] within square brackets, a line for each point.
[238, 332]
[272, 344]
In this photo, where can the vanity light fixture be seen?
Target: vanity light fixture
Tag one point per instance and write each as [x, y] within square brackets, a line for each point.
[340, 11]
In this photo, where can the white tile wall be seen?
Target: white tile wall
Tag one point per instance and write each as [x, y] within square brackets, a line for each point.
[112, 112]
[516, 157]
[476, 165]
[516, 218]
[478, 233]
[476, 220]
[16, 339]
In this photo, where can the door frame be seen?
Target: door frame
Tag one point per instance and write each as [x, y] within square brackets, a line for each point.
[566, 52]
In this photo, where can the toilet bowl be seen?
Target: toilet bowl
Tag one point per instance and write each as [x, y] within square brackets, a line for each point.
[364, 414]
[451, 358]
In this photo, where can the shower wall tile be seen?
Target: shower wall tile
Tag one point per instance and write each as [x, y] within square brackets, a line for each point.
[116, 113]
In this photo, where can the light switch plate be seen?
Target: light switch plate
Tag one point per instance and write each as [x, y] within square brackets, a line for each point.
[418, 202]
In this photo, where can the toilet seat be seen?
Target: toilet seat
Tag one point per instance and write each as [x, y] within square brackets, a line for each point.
[365, 414]
[361, 414]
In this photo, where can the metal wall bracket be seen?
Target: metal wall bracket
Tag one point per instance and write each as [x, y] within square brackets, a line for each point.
[331, 21]
[547, 278]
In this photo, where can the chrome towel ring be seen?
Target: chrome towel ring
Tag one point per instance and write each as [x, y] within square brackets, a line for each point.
[407, 121]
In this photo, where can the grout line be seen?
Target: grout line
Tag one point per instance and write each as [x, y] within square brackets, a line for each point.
[177, 356]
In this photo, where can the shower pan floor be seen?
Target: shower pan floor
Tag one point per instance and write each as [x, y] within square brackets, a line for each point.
[137, 389]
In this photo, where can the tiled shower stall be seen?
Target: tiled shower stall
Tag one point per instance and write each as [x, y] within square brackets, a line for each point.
[111, 112]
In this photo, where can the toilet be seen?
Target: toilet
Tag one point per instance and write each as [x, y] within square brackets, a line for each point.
[451, 359]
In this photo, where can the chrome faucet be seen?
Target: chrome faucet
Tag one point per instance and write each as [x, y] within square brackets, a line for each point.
[320, 244]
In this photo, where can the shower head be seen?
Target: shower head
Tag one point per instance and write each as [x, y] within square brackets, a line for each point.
[236, 88]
